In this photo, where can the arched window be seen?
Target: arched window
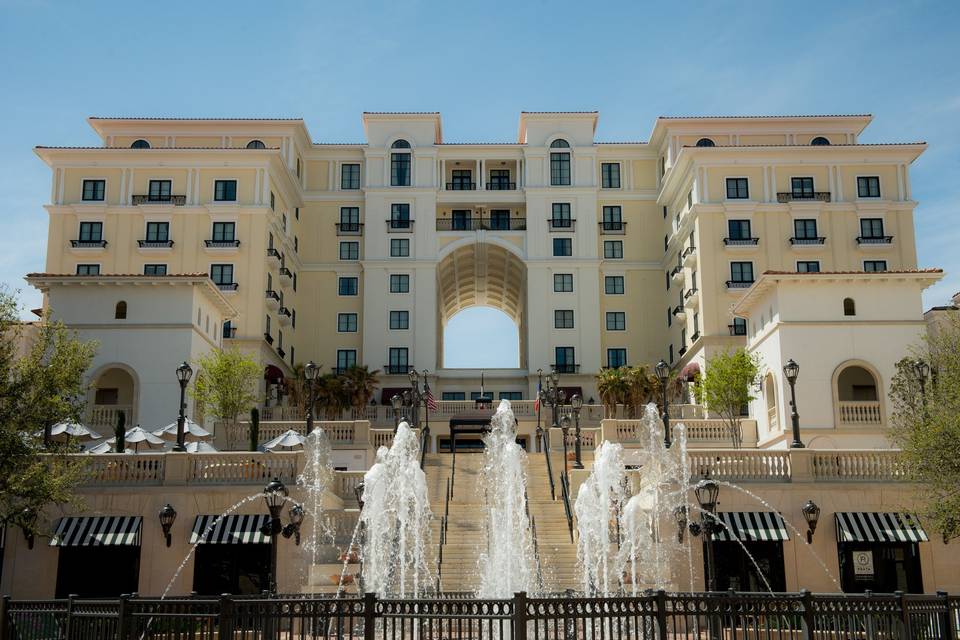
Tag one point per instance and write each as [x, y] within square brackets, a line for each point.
[256, 144]
[849, 307]
[559, 143]
[706, 142]
[400, 144]
[820, 141]
[140, 144]
[400, 165]
[120, 312]
[560, 163]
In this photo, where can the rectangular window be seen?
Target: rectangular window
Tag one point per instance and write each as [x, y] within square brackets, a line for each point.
[346, 358]
[616, 358]
[94, 190]
[349, 176]
[500, 219]
[563, 319]
[453, 396]
[805, 229]
[400, 216]
[562, 282]
[739, 327]
[225, 190]
[563, 247]
[669, 317]
[613, 285]
[801, 188]
[741, 271]
[399, 247]
[737, 189]
[399, 362]
[462, 180]
[613, 249]
[499, 179]
[348, 286]
[154, 269]
[349, 250]
[158, 231]
[399, 283]
[350, 219]
[566, 362]
[400, 169]
[91, 232]
[738, 229]
[221, 273]
[511, 395]
[868, 187]
[616, 321]
[610, 175]
[559, 169]
[612, 218]
[671, 354]
[224, 231]
[399, 320]
[347, 322]
[273, 201]
[560, 218]
[871, 227]
[874, 265]
[160, 190]
[808, 266]
[88, 269]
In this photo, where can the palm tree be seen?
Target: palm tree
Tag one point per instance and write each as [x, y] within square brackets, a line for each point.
[297, 389]
[362, 384]
[612, 388]
[642, 388]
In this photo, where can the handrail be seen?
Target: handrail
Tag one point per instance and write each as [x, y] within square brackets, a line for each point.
[545, 443]
[565, 486]
[424, 439]
[444, 522]
[532, 522]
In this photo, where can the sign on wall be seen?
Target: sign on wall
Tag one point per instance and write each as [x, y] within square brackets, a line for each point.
[863, 564]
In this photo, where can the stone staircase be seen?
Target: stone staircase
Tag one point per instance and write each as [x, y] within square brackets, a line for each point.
[466, 534]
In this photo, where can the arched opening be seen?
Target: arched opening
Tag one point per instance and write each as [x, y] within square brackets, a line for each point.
[488, 284]
[274, 381]
[849, 307]
[770, 395]
[706, 142]
[140, 144]
[820, 141]
[114, 392]
[120, 311]
[857, 393]
[856, 384]
[256, 144]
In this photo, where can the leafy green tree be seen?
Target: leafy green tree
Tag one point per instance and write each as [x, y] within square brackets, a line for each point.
[925, 424]
[725, 387]
[37, 389]
[226, 384]
[254, 428]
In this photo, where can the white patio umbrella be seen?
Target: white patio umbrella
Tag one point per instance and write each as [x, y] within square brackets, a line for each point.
[63, 431]
[191, 431]
[286, 440]
[199, 446]
[138, 434]
[107, 446]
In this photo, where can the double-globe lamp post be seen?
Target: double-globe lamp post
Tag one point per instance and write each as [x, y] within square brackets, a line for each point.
[184, 372]
[310, 371]
[275, 496]
[663, 375]
[791, 370]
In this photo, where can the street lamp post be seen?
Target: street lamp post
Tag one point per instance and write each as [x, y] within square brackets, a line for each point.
[415, 397]
[791, 370]
[275, 496]
[576, 402]
[396, 402]
[310, 371]
[184, 371]
[663, 375]
[565, 429]
[921, 369]
[707, 492]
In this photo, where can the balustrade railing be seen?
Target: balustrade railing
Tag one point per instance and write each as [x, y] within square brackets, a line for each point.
[242, 468]
[345, 484]
[843, 465]
[860, 413]
[141, 469]
[741, 464]
[105, 415]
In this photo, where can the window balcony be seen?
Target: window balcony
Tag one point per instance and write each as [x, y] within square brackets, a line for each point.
[741, 242]
[690, 298]
[807, 242]
[874, 240]
[273, 299]
[221, 244]
[461, 186]
[677, 274]
[274, 254]
[689, 256]
[284, 316]
[286, 277]
[281, 353]
[155, 244]
[682, 351]
[501, 186]
[613, 228]
[859, 413]
[737, 330]
[227, 286]
[739, 284]
[481, 224]
[176, 201]
[801, 196]
[679, 311]
[88, 244]
[566, 368]
[230, 332]
[268, 338]
[694, 337]
[400, 226]
[562, 224]
[349, 229]
[396, 369]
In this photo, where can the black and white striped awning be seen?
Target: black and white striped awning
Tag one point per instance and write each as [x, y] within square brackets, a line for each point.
[751, 526]
[234, 529]
[96, 531]
[871, 526]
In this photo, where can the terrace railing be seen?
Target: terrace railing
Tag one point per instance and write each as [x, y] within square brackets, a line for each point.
[652, 616]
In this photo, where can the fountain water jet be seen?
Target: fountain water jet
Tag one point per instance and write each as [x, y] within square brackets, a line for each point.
[599, 502]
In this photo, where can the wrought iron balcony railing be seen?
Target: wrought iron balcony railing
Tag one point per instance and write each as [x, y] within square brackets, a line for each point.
[227, 286]
[613, 228]
[790, 196]
[154, 244]
[88, 244]
[739, 284]
[501, 186]
[349, 229]
[399, 226]
[272, 295]
[795, 241]
[396, 369]
[268, 338]
[273, 253]
[562, 224]
[461, 186]
[484, 224]
[741, 242]
[177, 201]
[221, 244]
[874, 239]
[566, 368]
[737, 329]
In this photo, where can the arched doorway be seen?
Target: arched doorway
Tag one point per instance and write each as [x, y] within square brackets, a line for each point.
[857, 395]
[770, 395]
[114, 391]
[482, 274]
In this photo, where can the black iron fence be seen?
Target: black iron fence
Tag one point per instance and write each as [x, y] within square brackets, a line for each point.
[652, 616]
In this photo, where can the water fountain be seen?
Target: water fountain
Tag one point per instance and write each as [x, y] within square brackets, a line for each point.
[314, 481]
[508, 565]
[599, 503]
[396, 519]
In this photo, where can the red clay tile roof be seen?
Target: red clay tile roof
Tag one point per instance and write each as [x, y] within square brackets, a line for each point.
[768, 117]
[117, 275]
[625, 142]
[849, 273]
[402, 113]
[806, 146]
[163, 148]
[162, 118]
[559, 112]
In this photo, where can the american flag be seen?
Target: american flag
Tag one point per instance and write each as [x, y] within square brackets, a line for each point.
[431, 401]
[536, 403]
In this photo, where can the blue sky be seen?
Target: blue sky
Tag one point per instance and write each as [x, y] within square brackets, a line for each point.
[480, 64]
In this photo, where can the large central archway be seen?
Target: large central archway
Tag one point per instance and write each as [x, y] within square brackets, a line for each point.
[482, 274]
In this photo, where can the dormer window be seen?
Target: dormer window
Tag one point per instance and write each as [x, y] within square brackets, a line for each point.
[256, 144]
[559, 143]
[820, 141]
[400, 164]
[120, 311]
[400, 144]
[706, 142]
[560, 163]
[140, 144]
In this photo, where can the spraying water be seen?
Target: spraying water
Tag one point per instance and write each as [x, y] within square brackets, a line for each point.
[599, 502]
[315, 481]
[508, 565]
[396, 518]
